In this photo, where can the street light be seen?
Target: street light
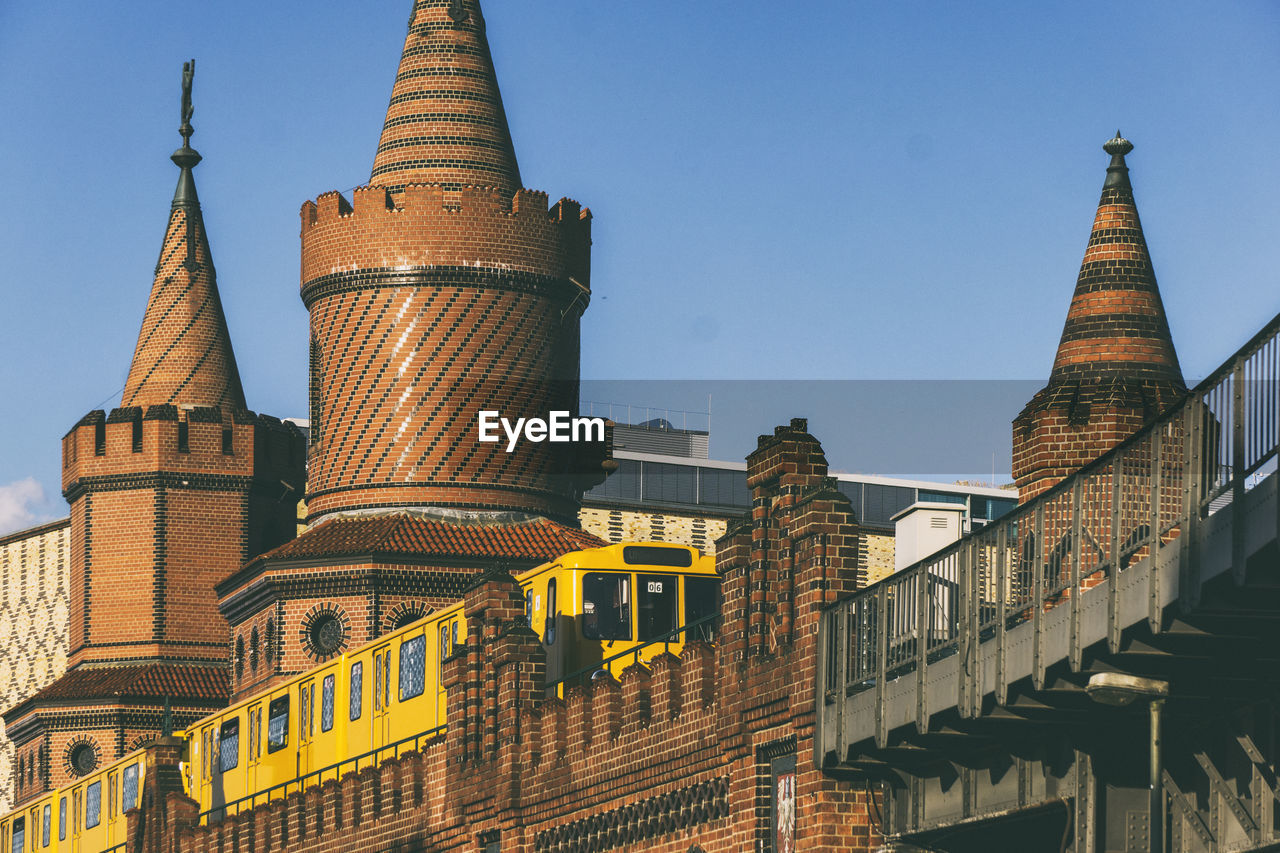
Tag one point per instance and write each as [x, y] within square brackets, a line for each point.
[1115, 688]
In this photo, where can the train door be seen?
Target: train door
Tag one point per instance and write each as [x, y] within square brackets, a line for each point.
[701, 604]
[306, 726]
[77, 817]
[555, 645]
[113, 810]
[446, 643]
[254, 752]
[381, 716]
[204, 768]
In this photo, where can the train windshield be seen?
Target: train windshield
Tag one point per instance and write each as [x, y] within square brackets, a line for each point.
[606, 606]
[656, 611]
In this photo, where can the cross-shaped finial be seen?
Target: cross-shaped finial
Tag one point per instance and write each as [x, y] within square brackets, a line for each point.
[188, 75]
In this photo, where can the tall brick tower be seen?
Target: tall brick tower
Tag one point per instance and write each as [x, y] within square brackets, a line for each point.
[442, 288]
[170, 493]
[1116, 367]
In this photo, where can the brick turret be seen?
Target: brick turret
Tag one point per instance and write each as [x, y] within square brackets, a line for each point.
[170, 493]
[440, 290]
[1116, 367]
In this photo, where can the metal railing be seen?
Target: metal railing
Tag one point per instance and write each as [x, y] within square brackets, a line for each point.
[705, 628]
[1152, 491]
[335, 771]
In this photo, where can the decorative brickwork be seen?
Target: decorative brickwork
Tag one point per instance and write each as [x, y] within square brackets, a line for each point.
[622, 525]
[675, 756]
[34, 603]
[1116, 367]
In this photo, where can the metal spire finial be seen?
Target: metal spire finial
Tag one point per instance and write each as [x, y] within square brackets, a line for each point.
[188, 75]
[1117, 172]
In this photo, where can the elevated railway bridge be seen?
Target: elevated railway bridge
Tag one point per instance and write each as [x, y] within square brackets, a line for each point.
[958, 687]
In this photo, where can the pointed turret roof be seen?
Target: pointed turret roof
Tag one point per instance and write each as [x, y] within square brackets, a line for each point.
[445, 124]
[1116, 326]
[184, 352]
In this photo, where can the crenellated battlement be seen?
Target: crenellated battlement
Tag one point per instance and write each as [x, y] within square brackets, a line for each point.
[429, 226]
[170, 439]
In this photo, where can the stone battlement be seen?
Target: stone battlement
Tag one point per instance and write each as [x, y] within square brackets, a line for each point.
[429, 226]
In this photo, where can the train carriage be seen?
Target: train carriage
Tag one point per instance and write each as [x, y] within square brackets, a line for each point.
[84, 817]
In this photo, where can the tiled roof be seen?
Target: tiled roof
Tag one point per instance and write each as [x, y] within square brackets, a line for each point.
[145, 681]
[411, 535]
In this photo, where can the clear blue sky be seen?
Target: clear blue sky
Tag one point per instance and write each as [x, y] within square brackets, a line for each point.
[828, 190]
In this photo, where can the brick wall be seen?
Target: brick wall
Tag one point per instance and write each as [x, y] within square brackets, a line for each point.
[624, 525]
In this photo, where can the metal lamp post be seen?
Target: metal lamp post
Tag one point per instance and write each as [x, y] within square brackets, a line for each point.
[1114, 688]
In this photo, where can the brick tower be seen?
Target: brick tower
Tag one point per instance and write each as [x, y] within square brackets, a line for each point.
[169, 494]
[440, 289]
[1116, 367]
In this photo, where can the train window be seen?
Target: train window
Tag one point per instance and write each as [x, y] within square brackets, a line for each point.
[377, 682]
[62, 819]
[229, 745]
[129, 787]
[278, 724]
[386, 678]
[19, 834]
[413, 667]
[656, 611]
[701, 600]
[528, 606]
[310, 709]
[655, 555]
[357, 689]
[606, 606]
[326, 704]
[304, 713]
[93, 805]
[255, 732]
[45, 820]
[549, 630]
[112, 801]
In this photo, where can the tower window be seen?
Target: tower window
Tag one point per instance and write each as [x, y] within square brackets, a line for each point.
[184, 437]
[228, 442]
[137, 434]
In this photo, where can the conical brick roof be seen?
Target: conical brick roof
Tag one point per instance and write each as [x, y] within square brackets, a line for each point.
[1116, 326]
[445, 124]
[184, 354]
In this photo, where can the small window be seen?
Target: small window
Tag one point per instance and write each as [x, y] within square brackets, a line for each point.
[46, 819]
[413, 667]
[62, 819]
[304, 713]
[326, 704]
[255, 732]
[19, 834]
[549, 627]
[184, 437]
[93, 805]
[229, 745]
[228, 443]
[606, 606]
[386, 678]
[377, 682]
[137, 434]
[357, 689]
[278, 724]
[112, 799]
[100, 438]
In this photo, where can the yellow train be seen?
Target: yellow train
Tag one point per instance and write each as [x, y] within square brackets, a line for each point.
[595, 610]
[86, 816]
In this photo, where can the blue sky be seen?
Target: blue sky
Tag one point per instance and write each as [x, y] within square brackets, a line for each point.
[832, 190]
